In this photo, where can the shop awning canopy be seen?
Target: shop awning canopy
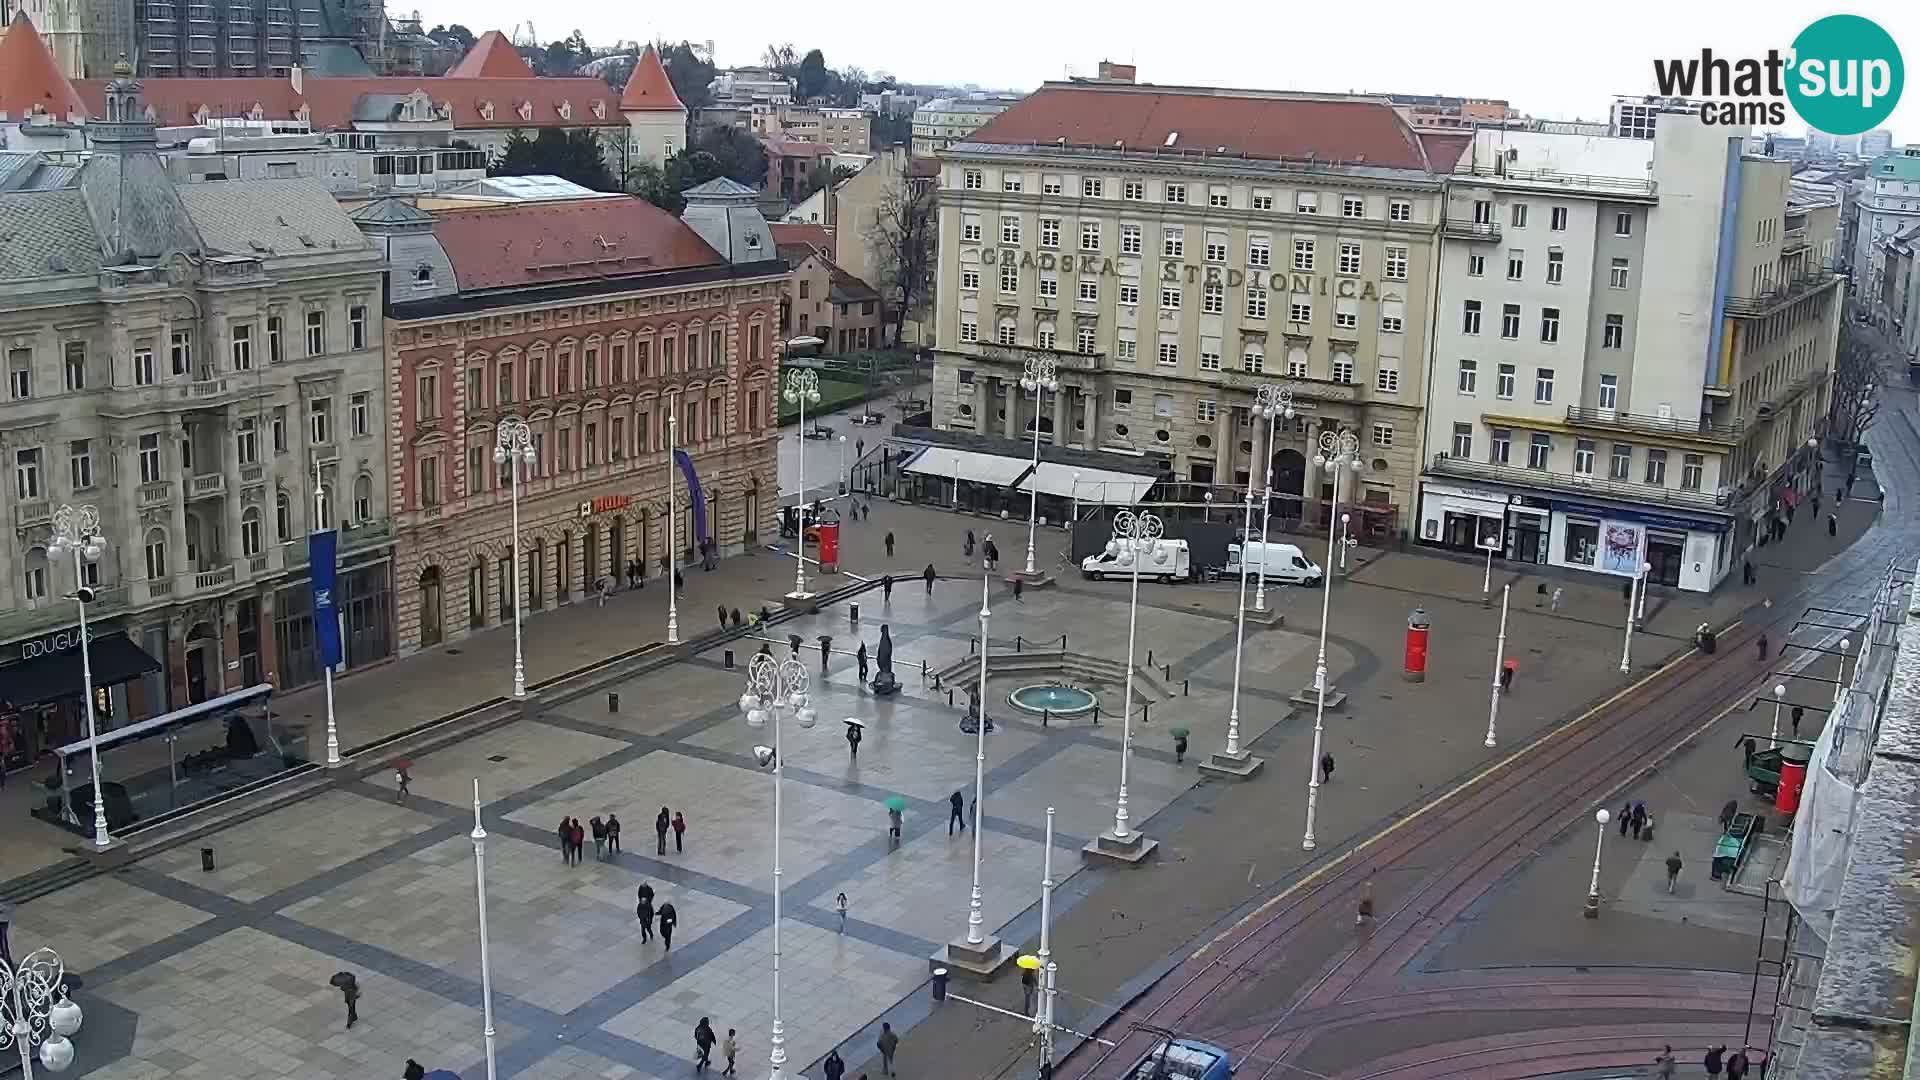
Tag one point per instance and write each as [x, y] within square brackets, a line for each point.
[49, 678]
[1098, 486]
[255, 695]
[975, 468]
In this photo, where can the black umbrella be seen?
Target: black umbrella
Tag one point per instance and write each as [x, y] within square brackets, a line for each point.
[341, 980]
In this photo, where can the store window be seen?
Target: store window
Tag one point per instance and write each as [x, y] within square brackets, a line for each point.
[1582, 540]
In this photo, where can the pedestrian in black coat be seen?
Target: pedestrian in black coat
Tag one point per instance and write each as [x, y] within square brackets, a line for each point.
[929, 575]
[1746, 573]
[889, 545]
[1798, 712]
[613, 834]
[703, 1040]
[886, 587]
[1737, 1065]
[1018, 584]
[853, 741]
[966, 549]
[1833, 525]
[644, 912]
[1326, 768]
[723, 616]
[1762, 643]
[826, 651]
[832, 1067]
[350, 993]
[1715, 1054]
[957, 804]
[414, 1071]
[669, 919]
[660, 825]
[679, 582]
[736, 618]
[565, 833]
[860, 657]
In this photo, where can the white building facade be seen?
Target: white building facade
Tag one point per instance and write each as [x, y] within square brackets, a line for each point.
[1887, 203]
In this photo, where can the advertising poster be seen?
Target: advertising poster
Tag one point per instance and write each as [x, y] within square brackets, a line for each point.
[1620, 548]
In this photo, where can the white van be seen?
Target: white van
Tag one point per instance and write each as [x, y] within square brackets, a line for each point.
[1170, 561]
[1284, 563]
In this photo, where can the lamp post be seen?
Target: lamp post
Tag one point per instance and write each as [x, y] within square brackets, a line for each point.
[76, 531]
[513, 447]
[326, 670]
[1233, 761]
[1338, 450]
[35, 1009]
[1499, 651]
[846, 478]
[803, 389]
[976, 933]
[1779, 696]
[673, 529]
[1488, 544]
[1206, 511]
[1039, 376]
[479, 838]
[1043, 961]
[1637, 582]
[1138, 533]
[1601, 817]
[774, 684]
[1840, 677]
[1275, 403]
[1076, 500]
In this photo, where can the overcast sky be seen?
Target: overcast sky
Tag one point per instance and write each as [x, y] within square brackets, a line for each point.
[1548, 60]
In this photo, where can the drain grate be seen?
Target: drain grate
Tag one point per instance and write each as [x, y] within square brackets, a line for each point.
[497, 757]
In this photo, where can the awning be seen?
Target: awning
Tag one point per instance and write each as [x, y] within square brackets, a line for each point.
[975, 468]
[255, 695]
[1099, 486]
[50, 678]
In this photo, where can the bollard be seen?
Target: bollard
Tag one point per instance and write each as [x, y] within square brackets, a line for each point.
[206, 859]
[939, 984]
[923, 672]
[1045, 716]
[1017, 643]
[1145, 709]
[613, 701]
[729, 659]
[1150, 662]
[973, 644]
[949, 698]
[853, 614]
[1184, 688]
[1169, 670]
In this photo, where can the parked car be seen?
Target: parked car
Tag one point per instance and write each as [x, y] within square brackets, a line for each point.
[1169, 562]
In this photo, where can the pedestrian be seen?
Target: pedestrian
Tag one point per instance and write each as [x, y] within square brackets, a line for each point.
[660, 826]
[1794, 718]
[599, 829]
[853, 739]
[640, 571]
[679, 832]
[723, 616]
[826, 651]
[565, 832]
[1639, 818]
[1673, 870]
[889, 545]
[793, 645]
[893, 825]
[679, 581]
[929, 575]
[1727, 813]
[1746, 572]
[860, 657]
[966, 549]
[1816, 505]
[886, 583]
[957, 805]
[1833, 525]
[1363, 914]
[414, 1071]
[1762, 643]
[1558, 595]
[1326, 767]
[1737, 1065]
[643, 910]
[840, 906]
[731, 1048]
[350, 993]
[579, 841]
[1029, 987]
[1018, 584]
[832, 1067]
[613, 834]
[401, 781]
[703, 1040]
[736, 618]
[1663, 1065]
[1713, 1059]
[991, 551]
[888, 1043]
[669, 919]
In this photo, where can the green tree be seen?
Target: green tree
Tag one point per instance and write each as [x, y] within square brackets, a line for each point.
[812, 75]
[558, 59]
[452, 35]
[737, 154]
[690, 75]
[571, 155]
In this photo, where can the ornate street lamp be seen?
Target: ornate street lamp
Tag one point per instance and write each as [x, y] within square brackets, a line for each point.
[76, 532]
[1040, 377]
[772, 685]
[1338, 450]
[802, 389]
[513, 447]
[1138, 534]
[35, 1010]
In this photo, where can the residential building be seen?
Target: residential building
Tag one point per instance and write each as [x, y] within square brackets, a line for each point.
[791, 164]
[1175, 248]
[661, 340]
[823, 300]
[848, 131]
[1886, 203]
[1636, 117]
[856, 209]
[1440, 112]
[748, 86]
[201, 364]
[1898, 302]
[784, 120]
[656, 118]
[891, 103]
[1875, 143]
[1581, 413]
[942, 122]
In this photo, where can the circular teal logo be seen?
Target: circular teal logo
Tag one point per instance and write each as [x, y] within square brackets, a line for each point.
[1846, 75]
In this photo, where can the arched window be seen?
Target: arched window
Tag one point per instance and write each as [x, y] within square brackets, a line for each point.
[250, 539]
[283, 517]
[36, 574]
[362, 499]
[156, 554]
[1007, 332]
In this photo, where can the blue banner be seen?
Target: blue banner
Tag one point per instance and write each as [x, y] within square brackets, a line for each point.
[321, 550]
[699, 497]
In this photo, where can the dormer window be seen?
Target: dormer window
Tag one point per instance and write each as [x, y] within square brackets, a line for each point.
[600, 110]
[565, 110]
[486, 110]
[423, 274]
[525, 110]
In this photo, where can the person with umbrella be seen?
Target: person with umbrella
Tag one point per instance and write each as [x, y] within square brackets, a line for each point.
[853, 735]
[349, 988]
[896, 807]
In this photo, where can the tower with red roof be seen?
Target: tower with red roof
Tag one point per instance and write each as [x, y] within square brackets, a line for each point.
[656, 118]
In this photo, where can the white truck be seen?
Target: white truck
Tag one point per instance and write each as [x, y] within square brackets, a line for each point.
[1170, 561]
[1284, 563]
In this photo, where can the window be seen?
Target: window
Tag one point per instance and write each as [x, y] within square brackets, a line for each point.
[972, 180]
[1614, 332]
[1130, 295]
[275, 351]
[1395, 263]
[1516, 265]
[1123, 401]
[1216, 247]
[970, 230]
[1125, 347]
[1303, 253]
[1399, 210]
[1173, 242]
[1262, 199]
[1621, 466]
[76, 365]
[320, 421]
[1253, 360]
[1470, 317]
[1089, 236]
[1010, 181]
[80, 464]
[1383, 435]
[1469, 376]
[1583, 457]
[1476, 266]
[1091, 187]
[357, 326]
[1259, 251]
[1353, 206]
[1010, 230]
[1542, 385]
[1609, 391]
[241, 345]
[1044, 336]
[1086, 340]
[1657, 467]
[26, 473]
[283, 516]
[1217, 197]
[1300, 311]
[1393, 316]
[251, 542]
[1550, 324]
[1177, 194]
[181, 351]
[20, 373]
[1342, 367]
[1297, 366]
[1623, 223]
[1206, 412]
[156, 552]
[1510, 320]
[1134, 190]
[1306, 202]
[1539, 448]
[617, 355]
[1256, 302]
[151, 471]
[1163, 405]
[1089, 289]
[280, 429]
[1386, 377]
[1500, 446]
[1169, 353]
[1049, 232]
[1483, 212]
[1009, 277]
[1169, 298]
[1049, 288]
[503, 379]
[969, 280]
[1349, 259]
[1462, 440]
[1213, 298]
[1557, 219]
[1556, 267]
[1209, 355]
[246, 441]
[1130, 240]
[1692, 469]
[1617, 274]
[1005, 333]
[1519, 215]
[35, 577]
[1503, 382]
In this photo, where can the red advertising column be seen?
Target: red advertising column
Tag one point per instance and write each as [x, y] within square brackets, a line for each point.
[1416, 660]
[829, 547]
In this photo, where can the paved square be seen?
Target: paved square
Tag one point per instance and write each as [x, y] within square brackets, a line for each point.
[533, 753]
[97, 921]
[261, 856]
[923, 888]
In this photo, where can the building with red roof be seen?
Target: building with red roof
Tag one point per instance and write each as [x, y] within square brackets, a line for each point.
[31, 82]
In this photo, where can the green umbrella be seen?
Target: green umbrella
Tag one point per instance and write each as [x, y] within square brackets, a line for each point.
[897, 803]
[1179, 732]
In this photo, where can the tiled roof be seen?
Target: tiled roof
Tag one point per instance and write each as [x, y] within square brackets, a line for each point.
[648, 88]
[795, 254]
[29, 77]
[332, 101]
[270, 217]
[492, 57]
[817, 237]
[46, 232]
[796, 148]
[1150, 119]
[1444, 149]
[849, 289]
[549, 243]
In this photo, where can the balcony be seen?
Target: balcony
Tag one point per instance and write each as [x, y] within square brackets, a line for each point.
[1617, 490]
[1790, 291]
[1794, 240]
[1613, 188]
[1616, 420]
[209, 485]
[158, 494]
[213, 579]
[1485, 231]
[252, 475]
[37, 512]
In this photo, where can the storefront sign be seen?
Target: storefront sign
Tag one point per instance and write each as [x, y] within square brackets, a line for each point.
[604, 503]
[57, 642]
[1481, 494]
[1658, 521]
[1175, 272]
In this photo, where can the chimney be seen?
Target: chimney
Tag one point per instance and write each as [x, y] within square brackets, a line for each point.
[299, 80]
[1120, 73]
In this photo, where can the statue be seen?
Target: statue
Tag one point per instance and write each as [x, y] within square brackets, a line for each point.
[971, 722]
[885, 684]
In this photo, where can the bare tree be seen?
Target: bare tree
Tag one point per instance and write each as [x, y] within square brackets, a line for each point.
[901, 240]
[1858, 370]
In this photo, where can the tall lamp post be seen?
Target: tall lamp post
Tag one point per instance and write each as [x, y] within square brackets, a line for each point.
[1779, 696]
[1276, 404]
[978, 950]
[803, 389]
[1840, 676]
[774, 684]
[1039, 377]
[326, 670]
[846, 478]
[1233, 761]
[1600, 817]
[479, 838]
[76, 531]
[1490, 545]
[1338, 450]
[1138, 533]
[1499, 651]
[1626, 649]
[35, 1009]
[673, 527]
[513, 447]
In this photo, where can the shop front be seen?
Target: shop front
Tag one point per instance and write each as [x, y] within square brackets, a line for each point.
[1463, 519]
[1691, 554]
[42, 689]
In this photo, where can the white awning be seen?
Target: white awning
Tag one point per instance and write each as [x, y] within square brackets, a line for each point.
[975, 468]
[1088, 485]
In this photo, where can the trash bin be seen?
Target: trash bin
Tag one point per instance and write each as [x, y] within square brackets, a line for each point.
[206, 859]
[613, 701]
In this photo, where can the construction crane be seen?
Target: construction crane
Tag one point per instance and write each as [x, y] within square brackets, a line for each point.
[524, 35]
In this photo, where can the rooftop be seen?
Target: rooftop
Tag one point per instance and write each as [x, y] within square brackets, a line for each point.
[492, 57]
[793, 234]
[29, 78]
[502, 247]
[1897, 165]
[649, 89]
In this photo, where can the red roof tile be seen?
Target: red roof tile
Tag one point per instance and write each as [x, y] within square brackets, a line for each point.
[648, 88]
[175, 101]
[1209, 121]
[492, 57]
[1444, 149]
[784, 147]
[550, 243]
[817, 237]
[29, 77]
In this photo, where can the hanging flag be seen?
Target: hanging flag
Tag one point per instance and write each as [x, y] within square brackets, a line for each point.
[321, 550]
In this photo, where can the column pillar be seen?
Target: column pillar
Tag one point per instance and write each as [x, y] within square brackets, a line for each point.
[1090, 439]
[177, 561]
[1310, 484]
[230, 468]
[1223, 443]
[1013, 407]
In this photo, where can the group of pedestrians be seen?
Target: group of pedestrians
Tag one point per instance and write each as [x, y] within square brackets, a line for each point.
[834, 1067]
[665, 917]
[573, 838]
[1634, 817]
[1735, 1064]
